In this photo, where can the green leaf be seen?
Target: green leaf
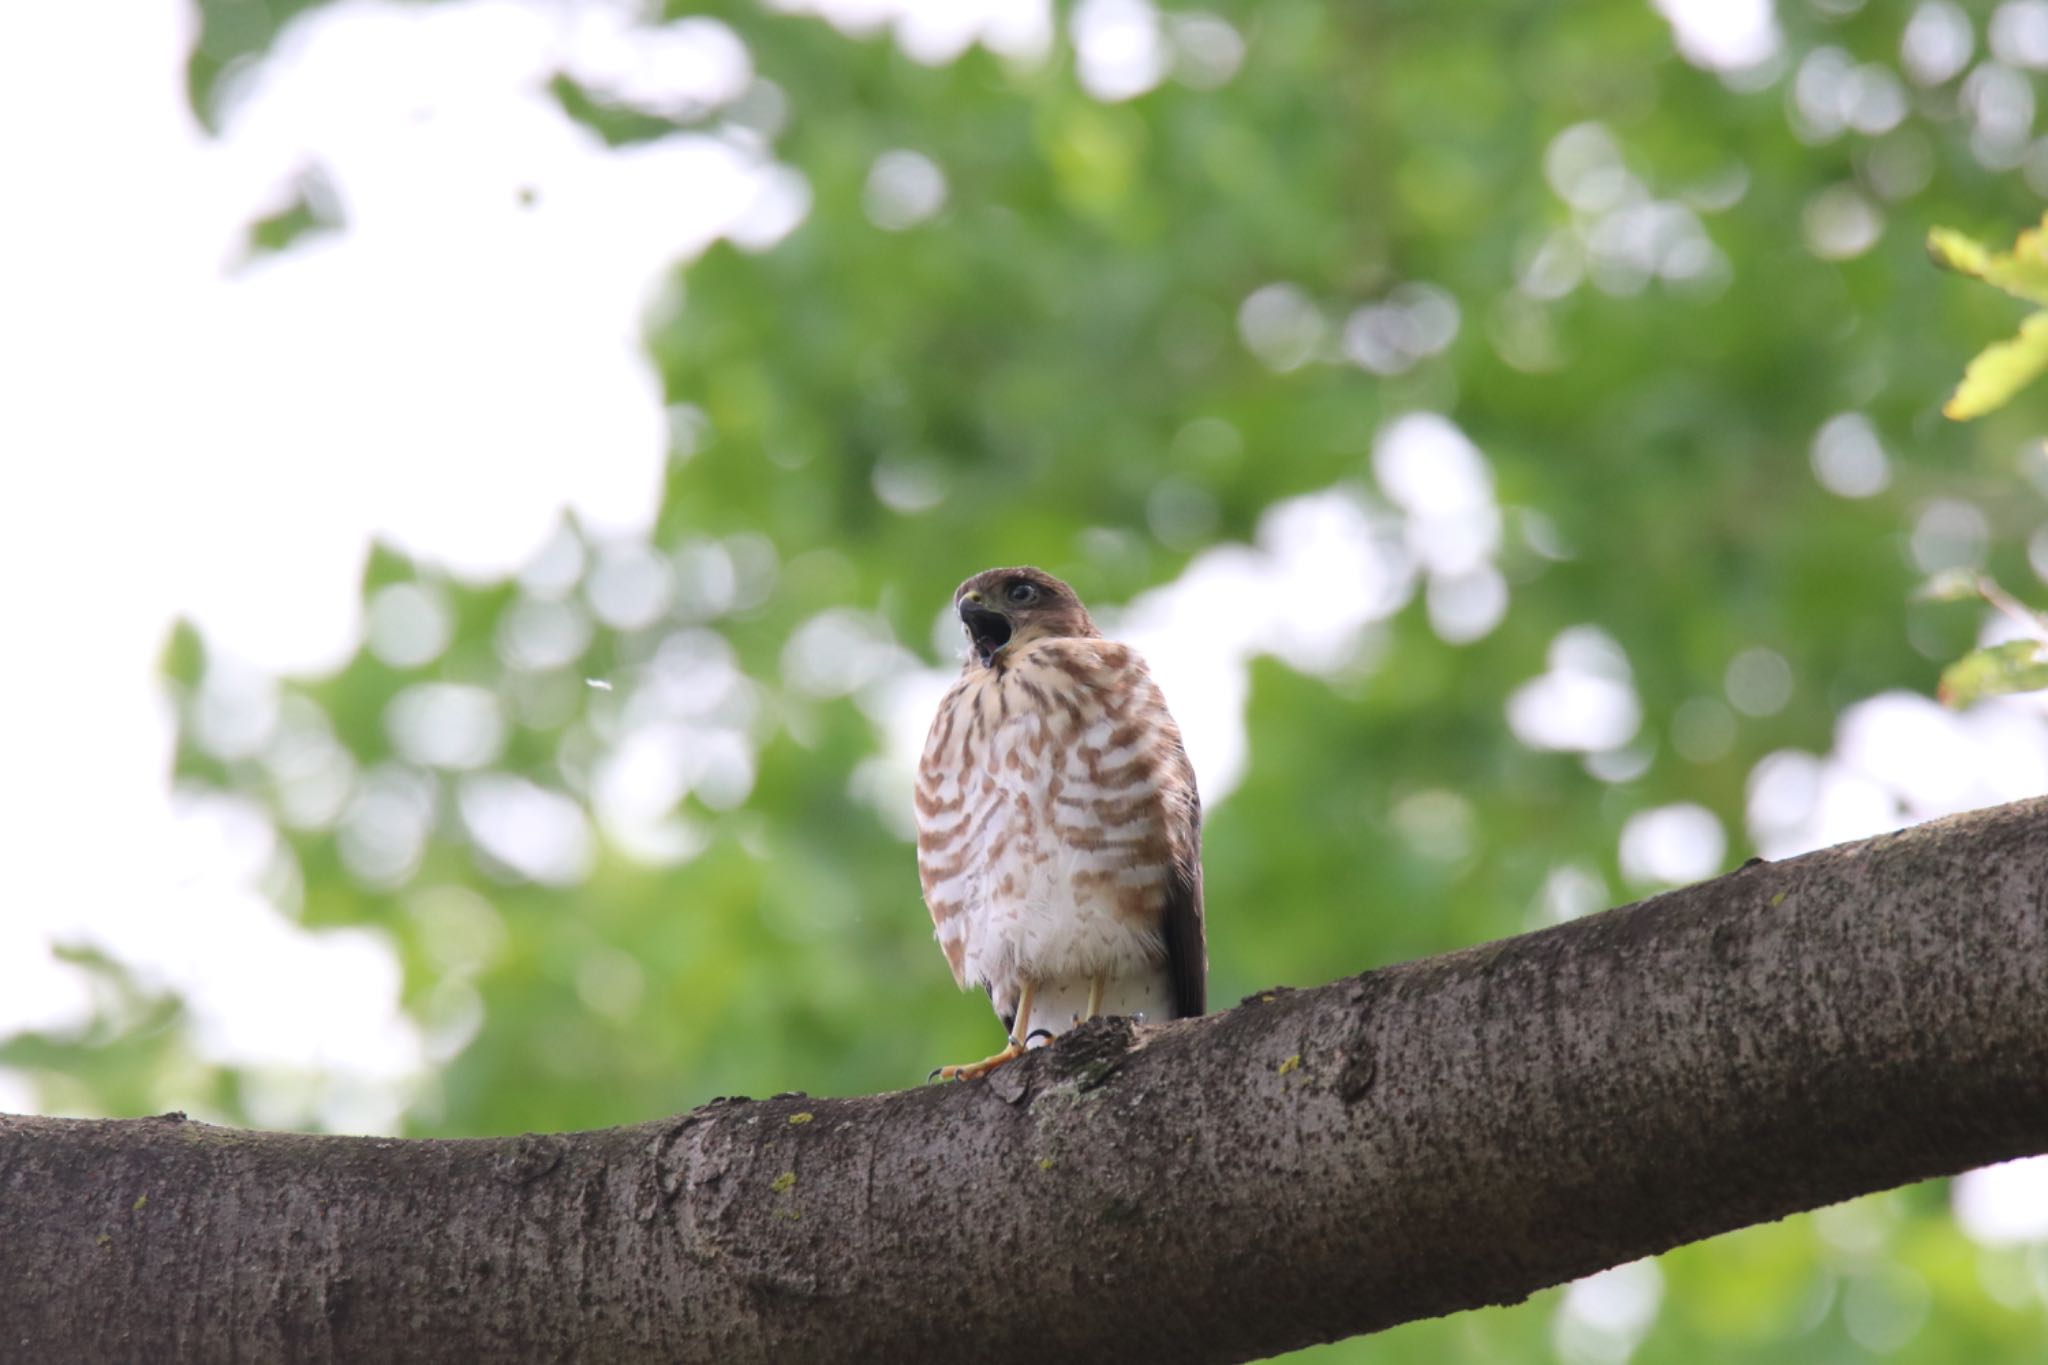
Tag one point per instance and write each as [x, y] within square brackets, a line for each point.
[184, 655]
[2015, 666]
[1950, 585]
[2021, 272]
[1958, 251]
[2001, 370]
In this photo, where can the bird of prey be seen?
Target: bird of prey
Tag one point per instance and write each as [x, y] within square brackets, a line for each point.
[1059, 836]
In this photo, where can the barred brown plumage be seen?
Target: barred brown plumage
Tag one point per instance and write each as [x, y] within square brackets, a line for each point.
[1058, 825]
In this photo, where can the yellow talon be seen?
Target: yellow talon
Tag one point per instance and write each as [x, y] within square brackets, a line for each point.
[972, 1071]
[976, 1070]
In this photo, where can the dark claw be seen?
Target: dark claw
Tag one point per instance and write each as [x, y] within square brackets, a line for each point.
[1044, 1033]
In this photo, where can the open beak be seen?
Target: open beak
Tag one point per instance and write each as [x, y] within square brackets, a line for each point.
[988, 628]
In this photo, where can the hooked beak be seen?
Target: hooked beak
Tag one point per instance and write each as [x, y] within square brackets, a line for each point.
[987, 628]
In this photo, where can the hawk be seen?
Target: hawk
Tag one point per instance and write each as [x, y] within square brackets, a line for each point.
[1059, 835]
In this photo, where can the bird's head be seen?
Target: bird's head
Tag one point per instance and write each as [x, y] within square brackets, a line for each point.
[1005, 608]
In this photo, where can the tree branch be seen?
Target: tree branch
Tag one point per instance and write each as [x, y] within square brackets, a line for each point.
[1314, 1164]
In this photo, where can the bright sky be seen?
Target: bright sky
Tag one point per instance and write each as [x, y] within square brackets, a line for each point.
[189, 432]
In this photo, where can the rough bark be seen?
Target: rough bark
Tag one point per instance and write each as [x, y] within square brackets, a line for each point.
[1313, 1164]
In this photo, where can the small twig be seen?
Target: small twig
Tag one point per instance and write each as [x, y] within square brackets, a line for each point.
[2035, 622]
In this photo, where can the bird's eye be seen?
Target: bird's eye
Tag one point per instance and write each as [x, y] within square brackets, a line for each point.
[1020, 592]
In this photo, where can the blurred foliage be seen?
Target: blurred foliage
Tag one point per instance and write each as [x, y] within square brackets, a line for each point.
[1999, 372]
[2014, 666]
[2003, 368]
[1050, 369]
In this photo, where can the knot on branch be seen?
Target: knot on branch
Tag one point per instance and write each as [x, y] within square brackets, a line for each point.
[528, 1158]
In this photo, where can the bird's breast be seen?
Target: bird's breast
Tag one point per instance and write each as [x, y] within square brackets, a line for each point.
[1039, 799]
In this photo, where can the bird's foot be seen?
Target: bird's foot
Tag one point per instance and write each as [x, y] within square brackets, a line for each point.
[976, 1070]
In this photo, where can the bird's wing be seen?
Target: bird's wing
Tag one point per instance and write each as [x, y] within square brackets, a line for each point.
[1187, 949]
[1180, 808]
